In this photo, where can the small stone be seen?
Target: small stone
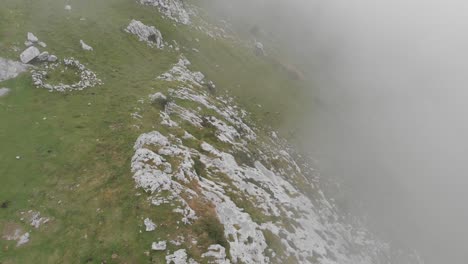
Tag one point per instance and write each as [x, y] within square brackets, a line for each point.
[32, 38]
[68, 7]
[29, 54]
[52, 58]
[18, 157]
[43, 56]
[84, 46]
[28, 43]
[23, 239]
[150, 225]
[159, 246]
[42, 44]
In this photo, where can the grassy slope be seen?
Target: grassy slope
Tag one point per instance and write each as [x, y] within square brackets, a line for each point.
[74, 156]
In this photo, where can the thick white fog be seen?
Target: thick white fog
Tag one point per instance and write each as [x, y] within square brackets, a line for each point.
[392, 79]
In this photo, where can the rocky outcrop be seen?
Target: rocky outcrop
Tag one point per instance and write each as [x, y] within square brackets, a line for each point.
[173, 9]
[29, 54]
[148, 34]
[10, 69]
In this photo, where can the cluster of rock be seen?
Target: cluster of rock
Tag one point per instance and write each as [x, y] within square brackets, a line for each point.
[148, 34]
[87, 77]
[32, 52]
[173, 9]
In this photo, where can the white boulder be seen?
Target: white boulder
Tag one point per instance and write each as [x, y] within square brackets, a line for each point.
[148, 34]
[29, 54]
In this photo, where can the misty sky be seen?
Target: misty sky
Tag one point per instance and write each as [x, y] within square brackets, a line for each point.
[392, 76]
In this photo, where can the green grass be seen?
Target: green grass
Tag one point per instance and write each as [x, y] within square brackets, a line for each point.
[76, 147]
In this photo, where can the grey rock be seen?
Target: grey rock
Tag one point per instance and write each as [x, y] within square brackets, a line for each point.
[159, 246]
[4, 91]
[43, 56]
[42, 44]
[148, 34]
[52, 58]
[158, 99]
[10, 69]
[28, 43]
[68, 7]
[29, 54]
[259, 51]
[32, 38]
[173, 9]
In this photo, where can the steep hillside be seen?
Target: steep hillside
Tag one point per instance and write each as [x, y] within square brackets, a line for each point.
[147, 134]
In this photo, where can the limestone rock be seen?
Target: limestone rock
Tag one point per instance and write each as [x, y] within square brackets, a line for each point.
[32, 38]
[150, 225]
[68, 7]
[29, 54]
[161, 245]
[52, 58]
[44, 56]
[173, 9]
[148, 34]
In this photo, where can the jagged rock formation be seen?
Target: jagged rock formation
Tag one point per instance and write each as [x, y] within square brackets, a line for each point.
[173, 9]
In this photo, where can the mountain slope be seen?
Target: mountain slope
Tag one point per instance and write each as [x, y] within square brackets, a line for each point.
[158, 161]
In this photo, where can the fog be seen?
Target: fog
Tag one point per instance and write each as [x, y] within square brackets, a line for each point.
[391, 77]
